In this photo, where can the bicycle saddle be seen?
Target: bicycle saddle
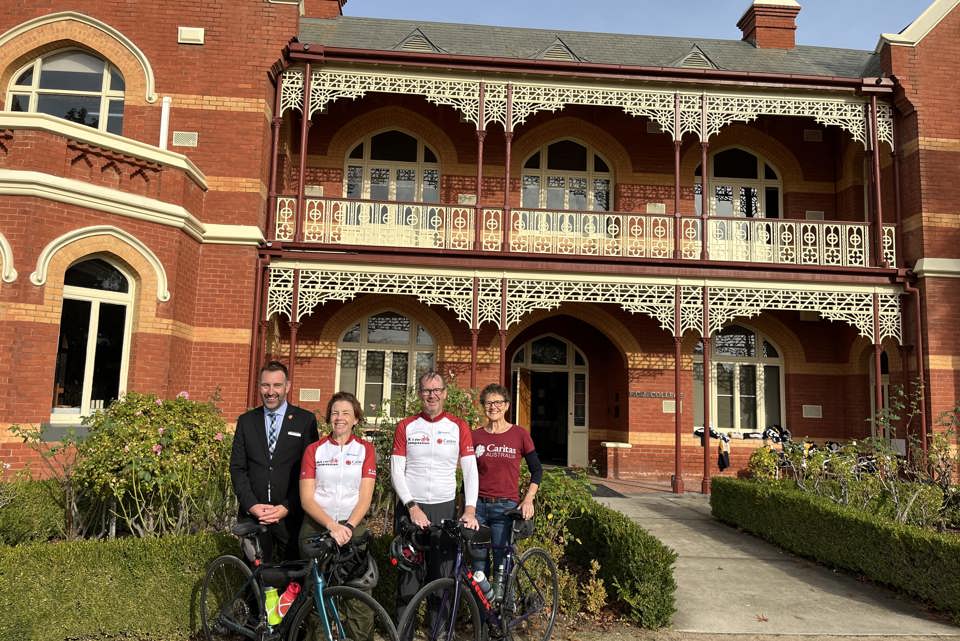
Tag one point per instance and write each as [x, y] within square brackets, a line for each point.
[244, 529]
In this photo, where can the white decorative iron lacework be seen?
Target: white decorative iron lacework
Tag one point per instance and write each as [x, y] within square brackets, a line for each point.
[691, 309]
[525, 295]
[280, 292]
[853, 308]
[463, 95]
[317, 286]
[291, 90]
[890, 244]
[285, 223]
[489, 299]
[890, 315]
[591, 233]
[789, 242]
[885, 123]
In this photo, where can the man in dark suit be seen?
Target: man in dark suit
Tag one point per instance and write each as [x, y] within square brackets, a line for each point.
[265, 463]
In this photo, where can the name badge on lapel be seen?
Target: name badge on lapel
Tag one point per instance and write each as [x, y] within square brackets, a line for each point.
[297, 434]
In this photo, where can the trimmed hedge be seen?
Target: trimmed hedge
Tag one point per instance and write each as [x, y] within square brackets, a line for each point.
[121, 587]
[636, 566]
[920, 562]
[32, 513]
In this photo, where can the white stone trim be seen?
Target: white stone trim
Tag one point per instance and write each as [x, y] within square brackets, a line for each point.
[23, 27]
[919, 28]
[82, 133]
[9, 274]
[937, 268]
[39, 276]
[75, 192]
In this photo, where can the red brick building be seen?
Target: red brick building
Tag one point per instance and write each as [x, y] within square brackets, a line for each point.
[187, 190]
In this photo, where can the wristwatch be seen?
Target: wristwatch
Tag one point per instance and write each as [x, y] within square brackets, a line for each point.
[410, 504]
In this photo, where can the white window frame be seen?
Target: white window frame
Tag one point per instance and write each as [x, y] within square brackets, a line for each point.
[737, 184]
[34, 91]
[72, 416]
[589, 175]
[760, 362]
[363, 346]
[366, 165]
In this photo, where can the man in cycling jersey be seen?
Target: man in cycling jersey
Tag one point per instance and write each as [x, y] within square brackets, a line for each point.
[427, 448]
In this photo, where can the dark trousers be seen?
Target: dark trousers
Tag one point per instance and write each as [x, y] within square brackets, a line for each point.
[279, 542]
[438, 559]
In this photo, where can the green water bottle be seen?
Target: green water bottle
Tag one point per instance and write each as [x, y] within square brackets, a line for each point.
[271, 599]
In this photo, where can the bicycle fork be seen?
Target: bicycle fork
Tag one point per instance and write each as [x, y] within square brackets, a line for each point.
[320, 605]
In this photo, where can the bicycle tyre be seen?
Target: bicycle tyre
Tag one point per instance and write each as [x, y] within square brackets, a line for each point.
[417, 624]
[529, 608]
[229, 600]
[343, 600]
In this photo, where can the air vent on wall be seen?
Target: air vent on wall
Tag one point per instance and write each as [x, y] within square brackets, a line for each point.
[813, 411]
[185, 138]
[309, 394]
[695, 59]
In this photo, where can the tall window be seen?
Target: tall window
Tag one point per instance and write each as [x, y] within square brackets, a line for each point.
[393, 165]
[746, 381]
[94, 342]
[73, 85]
[380, 358]
[566, 175]
[742, 184]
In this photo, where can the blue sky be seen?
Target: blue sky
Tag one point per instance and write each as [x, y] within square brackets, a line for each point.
[850, 24]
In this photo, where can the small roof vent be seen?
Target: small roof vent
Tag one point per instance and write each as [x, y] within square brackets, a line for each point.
[416, 41]
[558, 50]
[696, 59]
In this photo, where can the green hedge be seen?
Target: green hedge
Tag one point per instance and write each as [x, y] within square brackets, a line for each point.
[85, 589]
[920, 562]
[32, 513]
[636, 567]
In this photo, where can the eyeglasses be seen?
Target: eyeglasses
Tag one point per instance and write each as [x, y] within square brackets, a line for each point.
[433, 391]
[491, 404]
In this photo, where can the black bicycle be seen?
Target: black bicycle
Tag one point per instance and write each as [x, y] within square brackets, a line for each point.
[457, 609]
[232, 605]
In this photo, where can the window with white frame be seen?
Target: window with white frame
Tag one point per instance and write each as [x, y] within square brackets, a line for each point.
[393, 166]
[380, 358]
[566, 175]
[94, 343]
[746, 383]
[73, 85]
[743, 185]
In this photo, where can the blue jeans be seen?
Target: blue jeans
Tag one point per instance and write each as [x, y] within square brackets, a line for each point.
[492, 515]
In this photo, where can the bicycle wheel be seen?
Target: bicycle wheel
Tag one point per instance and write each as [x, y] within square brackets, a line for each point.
[352, 615]
[530, 604]
[229, 600]
[438, 613]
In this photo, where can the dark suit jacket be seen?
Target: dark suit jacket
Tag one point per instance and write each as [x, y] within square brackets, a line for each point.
[253, 470]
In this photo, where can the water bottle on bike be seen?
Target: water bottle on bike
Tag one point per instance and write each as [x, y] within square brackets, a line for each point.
[481, 580]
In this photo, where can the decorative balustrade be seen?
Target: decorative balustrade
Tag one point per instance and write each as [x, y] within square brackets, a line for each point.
[338, 221]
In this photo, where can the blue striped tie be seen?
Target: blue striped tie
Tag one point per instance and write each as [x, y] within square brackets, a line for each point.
[272, 434]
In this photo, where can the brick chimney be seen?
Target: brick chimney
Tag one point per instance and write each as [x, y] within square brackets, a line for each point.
[323, 8]
[770, 24]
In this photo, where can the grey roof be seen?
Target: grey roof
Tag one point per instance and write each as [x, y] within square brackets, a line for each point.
[603, 48]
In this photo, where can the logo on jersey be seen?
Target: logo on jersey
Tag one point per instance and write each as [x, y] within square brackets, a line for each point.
[480, 449]
[418, 440]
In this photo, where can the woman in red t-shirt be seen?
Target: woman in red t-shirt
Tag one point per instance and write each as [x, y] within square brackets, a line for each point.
[499, 445]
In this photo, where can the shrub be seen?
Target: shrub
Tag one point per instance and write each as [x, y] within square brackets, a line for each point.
[120, 587]
[916, 560]
[32, 512]
[158, 466]
[635, 566]
[762, 465]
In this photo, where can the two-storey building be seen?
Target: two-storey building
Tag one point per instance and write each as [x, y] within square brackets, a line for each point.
[639, 235]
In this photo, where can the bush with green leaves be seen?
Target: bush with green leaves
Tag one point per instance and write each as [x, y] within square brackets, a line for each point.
[916, 560]
[30, 512]
[122, 588]
[158, 466]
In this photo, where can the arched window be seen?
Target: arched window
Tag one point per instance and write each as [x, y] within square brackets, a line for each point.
[94, 343]
[392, 165]
[380, 358]
[742, 184]
[73, 85]
[566, 175]
[746, 382]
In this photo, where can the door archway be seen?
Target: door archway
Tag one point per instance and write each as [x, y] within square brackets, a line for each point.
[549, 376]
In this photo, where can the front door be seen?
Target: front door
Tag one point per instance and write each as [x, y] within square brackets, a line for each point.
[549, 408]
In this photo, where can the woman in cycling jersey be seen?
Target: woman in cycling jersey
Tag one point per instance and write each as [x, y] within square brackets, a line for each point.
[499, 445]
[337, 474]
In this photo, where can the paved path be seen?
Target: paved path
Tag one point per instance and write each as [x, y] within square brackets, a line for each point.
[729, 582]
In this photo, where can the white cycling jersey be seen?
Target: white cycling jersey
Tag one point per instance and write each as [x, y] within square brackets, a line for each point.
[425, 456]
[338, 471]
